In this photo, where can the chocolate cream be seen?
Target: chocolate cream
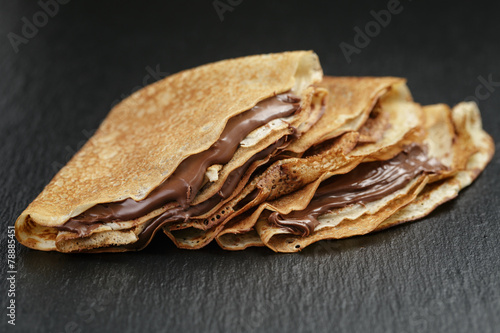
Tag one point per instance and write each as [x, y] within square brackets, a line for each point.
[183, 185]
[366, 183]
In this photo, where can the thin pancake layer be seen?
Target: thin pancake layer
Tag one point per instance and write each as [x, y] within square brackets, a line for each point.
[394, 125]
[367, 183]
[476, 146]
[85, 231]
[455, 138]
[146, 136]
[350, 101]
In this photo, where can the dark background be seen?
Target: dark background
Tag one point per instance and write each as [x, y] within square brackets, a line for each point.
[439, 274]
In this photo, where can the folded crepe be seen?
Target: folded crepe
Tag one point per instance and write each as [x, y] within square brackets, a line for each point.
[257, 151]
[477, 150]
[377, 112]
[448, 154]
[175, 150]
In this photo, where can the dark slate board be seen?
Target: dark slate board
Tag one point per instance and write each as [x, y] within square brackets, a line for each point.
[439, 274]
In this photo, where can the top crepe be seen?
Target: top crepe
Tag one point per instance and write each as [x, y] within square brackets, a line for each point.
[145, 137]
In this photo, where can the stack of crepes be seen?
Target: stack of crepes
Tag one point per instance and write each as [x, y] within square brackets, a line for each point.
[258, 151]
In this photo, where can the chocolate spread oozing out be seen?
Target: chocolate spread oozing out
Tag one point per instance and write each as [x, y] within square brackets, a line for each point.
[178, 214]
[234, 178]
[366, 183]
[183, 185]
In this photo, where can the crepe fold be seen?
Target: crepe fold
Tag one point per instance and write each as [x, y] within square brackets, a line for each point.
[380, 108]
[143, 163]
[452, 140]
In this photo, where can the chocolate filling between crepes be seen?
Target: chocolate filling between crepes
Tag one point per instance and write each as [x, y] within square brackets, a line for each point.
[186, 181]
[368, 182]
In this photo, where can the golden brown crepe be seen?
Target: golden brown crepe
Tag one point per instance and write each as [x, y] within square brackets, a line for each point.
[349, 100]
[477, 151]
[454, 138]
[274, 136]
[146, 137]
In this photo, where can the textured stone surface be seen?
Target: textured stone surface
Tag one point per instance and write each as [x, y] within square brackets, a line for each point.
[439, 274]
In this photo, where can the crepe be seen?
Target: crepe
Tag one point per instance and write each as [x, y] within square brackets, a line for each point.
[479, 149]
[257, 151]
[139, 155]
[454, 138]
[388, 118]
